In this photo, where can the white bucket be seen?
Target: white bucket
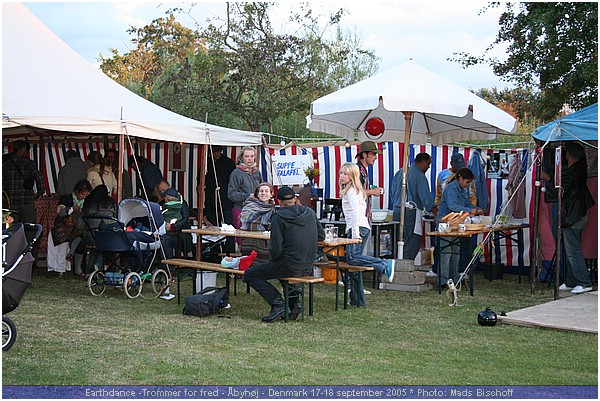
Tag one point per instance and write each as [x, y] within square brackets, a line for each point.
[209, 279]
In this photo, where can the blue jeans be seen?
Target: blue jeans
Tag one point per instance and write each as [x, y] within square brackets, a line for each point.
[355, 257]
[576, 269]
[449, 258]
[412, 241]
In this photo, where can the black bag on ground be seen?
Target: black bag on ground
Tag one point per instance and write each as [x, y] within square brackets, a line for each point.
[207, 302]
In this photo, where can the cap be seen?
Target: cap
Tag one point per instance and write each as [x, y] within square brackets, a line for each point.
[457, 160]
[575, 149]
[171, 192]
[285, 193]
[369, 146]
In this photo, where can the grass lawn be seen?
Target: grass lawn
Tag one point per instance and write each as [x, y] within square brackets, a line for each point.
[68, 337]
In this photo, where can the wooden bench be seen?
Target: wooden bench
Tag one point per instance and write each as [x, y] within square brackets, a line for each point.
[310, 280]
[201, 266]
[209, 266]
[348, 268]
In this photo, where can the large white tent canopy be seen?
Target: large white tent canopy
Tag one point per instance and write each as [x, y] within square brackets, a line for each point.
[47, 85]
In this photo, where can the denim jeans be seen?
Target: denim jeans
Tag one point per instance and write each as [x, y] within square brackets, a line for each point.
[412, 241]
[576, 269]
[355, 257]
[449, 259]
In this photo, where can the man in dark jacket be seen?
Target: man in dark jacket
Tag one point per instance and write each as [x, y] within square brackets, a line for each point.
[576, 200]
[295, 232]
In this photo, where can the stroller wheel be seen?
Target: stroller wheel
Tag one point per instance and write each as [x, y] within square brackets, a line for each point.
[132, 284]
[97, 283]
[9, 333]
[160, 280]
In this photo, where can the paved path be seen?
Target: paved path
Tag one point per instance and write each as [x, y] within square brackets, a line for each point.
[572, 313]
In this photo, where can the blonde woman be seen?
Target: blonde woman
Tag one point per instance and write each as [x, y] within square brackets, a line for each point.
[100, 173]
[354, 205]
[242, 182]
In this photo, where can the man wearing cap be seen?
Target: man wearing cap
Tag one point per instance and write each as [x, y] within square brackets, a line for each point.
[457, 161]
[576, 200]
[366, 157]
[295, 232]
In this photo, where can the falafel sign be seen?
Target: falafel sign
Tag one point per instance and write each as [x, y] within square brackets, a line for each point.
[289, 169]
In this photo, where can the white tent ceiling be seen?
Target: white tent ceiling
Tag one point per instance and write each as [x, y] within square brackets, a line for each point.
[47, 85]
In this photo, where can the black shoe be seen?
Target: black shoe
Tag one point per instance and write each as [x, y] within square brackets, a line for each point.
[295, 311]
[277, 313]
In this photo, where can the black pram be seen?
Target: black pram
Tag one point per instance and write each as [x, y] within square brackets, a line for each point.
[17, 263]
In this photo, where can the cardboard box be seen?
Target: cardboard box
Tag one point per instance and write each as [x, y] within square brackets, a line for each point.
[423, 257]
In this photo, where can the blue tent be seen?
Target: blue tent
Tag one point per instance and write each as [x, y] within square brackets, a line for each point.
[579, 126]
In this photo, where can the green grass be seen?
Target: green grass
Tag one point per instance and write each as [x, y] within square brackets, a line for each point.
[68, 337]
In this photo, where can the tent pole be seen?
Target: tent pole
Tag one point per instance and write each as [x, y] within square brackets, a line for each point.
[534, 252]
[407, 119]
[202, 154]
[120, 167]
[557, 266]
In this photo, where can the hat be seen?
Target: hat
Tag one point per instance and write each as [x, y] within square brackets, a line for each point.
[171, 192]
[458, 161]
[369, 146]
[285, 193]
[575, 149]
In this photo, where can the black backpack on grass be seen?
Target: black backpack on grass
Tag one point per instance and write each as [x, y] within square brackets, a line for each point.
[207, 302]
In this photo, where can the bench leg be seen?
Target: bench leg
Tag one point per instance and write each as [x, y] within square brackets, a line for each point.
[311, 300]
[286, 299]
[302, 295]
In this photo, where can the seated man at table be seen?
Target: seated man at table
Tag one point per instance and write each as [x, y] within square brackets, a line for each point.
[295, 231]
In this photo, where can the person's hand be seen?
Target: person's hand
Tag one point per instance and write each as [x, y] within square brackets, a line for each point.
[544, 176]
[76, 208]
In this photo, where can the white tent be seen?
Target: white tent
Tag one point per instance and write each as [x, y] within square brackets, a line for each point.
[47, 85]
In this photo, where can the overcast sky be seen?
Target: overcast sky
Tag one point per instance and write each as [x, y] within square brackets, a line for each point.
[429, 32]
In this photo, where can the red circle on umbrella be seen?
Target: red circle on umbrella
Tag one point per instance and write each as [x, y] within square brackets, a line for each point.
[375, 126]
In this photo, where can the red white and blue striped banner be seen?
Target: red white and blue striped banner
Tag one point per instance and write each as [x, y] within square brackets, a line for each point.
[328, 161]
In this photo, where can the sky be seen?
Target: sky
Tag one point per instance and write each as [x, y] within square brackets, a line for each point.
[429, 32]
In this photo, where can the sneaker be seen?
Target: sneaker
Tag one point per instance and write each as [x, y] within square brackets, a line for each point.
[366, 292]
[580, 290]
[431, 273]
[563, 287]
[341, 283]
[167, 297]
[389, 272]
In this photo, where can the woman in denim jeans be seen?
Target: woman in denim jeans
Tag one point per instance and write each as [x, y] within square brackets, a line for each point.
[354, 206]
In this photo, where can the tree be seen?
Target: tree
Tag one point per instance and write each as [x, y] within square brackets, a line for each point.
[552, 47]
[159, 46]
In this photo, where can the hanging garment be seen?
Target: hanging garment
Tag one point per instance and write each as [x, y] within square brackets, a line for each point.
[515, 175]
[477, 164]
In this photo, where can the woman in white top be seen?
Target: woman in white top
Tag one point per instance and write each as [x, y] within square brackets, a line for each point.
[354, 205]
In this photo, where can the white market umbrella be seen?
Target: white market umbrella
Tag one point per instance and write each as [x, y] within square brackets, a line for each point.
[413, 103]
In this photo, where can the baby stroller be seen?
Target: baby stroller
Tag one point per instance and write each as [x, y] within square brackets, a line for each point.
[17, 263]
[133, 241]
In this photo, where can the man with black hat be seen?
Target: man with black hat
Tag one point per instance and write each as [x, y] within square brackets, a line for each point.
[295, 232]
[367, 155]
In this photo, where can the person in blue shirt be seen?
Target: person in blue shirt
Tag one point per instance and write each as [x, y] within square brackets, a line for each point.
[455, 199]
[418, 193]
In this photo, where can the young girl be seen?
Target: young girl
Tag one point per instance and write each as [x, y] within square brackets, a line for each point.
[354, 205]
[455, 198]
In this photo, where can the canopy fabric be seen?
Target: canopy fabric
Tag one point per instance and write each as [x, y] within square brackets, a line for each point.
[47, 85]
[442, 111]
[579, 126]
